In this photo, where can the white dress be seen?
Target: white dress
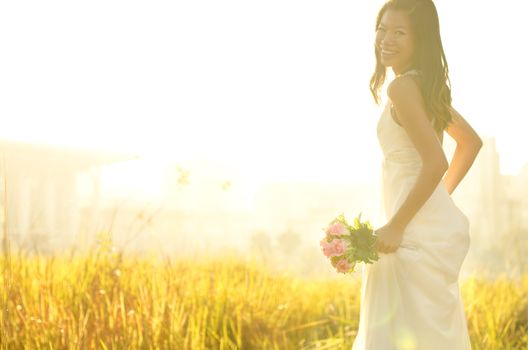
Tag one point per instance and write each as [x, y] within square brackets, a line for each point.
[410, 299]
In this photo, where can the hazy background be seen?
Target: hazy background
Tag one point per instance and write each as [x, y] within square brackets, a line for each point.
[251, 122]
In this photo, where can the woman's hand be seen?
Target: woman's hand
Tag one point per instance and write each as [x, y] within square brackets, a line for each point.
[389, 239]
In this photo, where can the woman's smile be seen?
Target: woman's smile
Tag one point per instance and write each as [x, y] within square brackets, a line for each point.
[388, 53]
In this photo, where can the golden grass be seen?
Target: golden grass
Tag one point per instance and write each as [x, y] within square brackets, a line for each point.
[105, 300]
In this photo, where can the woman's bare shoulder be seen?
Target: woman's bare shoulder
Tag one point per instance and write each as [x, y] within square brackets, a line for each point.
[404, 88]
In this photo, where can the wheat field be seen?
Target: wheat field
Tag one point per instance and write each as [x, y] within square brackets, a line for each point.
[105, 299]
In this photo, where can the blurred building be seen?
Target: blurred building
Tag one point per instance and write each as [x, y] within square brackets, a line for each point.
[41, 205]
[496, 204]
[481, 195]
[516, 202]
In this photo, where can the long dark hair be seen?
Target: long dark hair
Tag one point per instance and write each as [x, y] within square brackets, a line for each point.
[429, 59]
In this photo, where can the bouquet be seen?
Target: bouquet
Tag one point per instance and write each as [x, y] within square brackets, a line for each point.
[345, 245]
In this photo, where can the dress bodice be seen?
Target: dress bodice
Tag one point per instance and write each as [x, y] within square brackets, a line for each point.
[395, 144]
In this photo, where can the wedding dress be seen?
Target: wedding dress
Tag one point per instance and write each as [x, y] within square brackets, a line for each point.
[410, 299]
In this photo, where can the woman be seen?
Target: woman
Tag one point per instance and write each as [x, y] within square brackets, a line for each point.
[410, 297]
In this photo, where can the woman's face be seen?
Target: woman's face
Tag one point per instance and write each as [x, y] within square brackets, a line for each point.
[395, 41]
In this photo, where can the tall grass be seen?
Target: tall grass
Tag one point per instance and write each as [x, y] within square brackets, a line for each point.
[106, 300]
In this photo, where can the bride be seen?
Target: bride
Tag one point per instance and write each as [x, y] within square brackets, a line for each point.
[410, 297]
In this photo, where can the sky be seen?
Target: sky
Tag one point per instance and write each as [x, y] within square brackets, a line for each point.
[276, 89]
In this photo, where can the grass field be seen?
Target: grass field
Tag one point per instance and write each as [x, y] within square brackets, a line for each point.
[105, 300]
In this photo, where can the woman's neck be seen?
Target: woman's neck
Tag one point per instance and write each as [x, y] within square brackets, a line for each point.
[397, 72]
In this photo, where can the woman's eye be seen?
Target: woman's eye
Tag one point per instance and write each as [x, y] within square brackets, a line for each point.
[381, 29]
[399, 32]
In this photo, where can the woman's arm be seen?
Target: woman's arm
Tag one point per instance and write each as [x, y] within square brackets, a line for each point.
[409, 105]
[468, 146]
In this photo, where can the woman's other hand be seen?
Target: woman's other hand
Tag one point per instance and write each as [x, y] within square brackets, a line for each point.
[388, 239]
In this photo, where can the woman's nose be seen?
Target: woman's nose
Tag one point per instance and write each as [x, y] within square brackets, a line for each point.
[387, 39]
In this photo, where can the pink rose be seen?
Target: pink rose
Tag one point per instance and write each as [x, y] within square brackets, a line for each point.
[328, 248]
[337, 229]
[338, 247]
[343, 266]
